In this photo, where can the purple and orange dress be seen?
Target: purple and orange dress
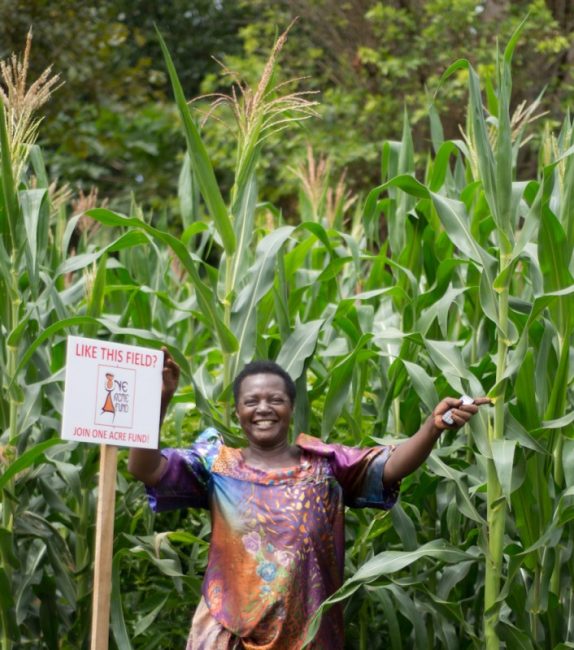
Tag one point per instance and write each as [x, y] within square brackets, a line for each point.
[277, 545]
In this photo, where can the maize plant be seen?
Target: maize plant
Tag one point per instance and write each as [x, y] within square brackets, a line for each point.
[502, 294]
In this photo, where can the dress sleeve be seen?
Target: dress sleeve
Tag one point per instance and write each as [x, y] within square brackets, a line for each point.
[185, 481]
[359, 471]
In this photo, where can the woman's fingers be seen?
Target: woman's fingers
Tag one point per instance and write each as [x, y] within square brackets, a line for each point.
[482, 400]
[455, 412]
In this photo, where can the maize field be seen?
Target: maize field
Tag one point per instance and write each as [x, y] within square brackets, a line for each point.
[451, 276]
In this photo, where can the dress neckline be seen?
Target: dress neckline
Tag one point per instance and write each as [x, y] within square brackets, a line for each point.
[234, 456]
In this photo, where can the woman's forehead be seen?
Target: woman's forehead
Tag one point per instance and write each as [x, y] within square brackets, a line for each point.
[262, 382]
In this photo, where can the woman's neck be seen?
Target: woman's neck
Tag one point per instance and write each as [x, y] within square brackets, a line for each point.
[274, 458]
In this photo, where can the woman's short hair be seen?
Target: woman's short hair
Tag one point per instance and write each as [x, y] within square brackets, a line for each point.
[265, 368]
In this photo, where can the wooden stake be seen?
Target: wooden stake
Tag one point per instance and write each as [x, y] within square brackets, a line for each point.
[104, 548]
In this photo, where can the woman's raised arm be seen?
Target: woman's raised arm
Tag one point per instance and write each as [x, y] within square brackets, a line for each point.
[147, 465]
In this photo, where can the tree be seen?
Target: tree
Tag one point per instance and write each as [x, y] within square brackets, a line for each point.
[112, 124]
[372, 59]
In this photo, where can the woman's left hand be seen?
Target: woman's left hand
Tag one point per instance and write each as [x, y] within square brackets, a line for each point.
[455, 412]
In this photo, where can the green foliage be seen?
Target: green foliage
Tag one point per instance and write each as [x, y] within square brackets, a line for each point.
[369, 60]
[111, 123]
[470, 292]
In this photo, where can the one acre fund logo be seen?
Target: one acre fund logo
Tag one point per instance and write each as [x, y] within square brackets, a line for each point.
[115, 398]
[112, 393]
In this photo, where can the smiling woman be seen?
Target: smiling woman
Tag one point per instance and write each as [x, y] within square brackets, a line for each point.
[264, 407]
[277, 511]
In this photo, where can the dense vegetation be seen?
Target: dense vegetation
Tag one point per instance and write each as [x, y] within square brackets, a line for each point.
[112, 123]
[453, 274]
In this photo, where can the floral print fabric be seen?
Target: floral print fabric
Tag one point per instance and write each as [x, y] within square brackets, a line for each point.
[277, 546]
[208, 634]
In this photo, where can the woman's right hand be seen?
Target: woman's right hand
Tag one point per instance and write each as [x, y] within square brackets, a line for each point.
[148, 465]
[170, 379]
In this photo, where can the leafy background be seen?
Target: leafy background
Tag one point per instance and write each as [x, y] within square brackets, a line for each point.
[439, 263]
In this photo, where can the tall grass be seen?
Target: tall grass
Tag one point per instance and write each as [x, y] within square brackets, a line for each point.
[471, 292]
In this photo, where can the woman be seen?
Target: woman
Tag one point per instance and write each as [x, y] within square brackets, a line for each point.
[277, 510]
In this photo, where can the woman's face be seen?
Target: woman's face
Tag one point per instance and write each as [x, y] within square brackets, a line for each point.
[264, 410]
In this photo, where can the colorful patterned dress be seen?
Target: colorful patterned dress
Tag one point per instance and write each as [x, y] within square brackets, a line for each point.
[277, 545]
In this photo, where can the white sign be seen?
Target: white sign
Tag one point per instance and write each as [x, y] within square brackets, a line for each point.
[112, 393]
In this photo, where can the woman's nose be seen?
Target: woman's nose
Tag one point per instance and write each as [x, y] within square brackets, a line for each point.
[263, 407]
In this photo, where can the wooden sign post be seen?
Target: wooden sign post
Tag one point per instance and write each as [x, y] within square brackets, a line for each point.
[112, 398]
[104, 548]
